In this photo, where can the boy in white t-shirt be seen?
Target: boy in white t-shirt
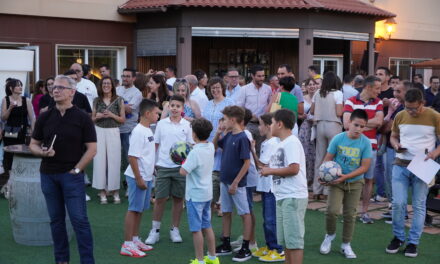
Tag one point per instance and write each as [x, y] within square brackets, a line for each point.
[288, 169]
[272, 252]
[139, 176]
[169, 183]
[198, 194]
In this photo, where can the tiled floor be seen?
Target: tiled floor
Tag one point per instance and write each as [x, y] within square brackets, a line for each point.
[376, 209]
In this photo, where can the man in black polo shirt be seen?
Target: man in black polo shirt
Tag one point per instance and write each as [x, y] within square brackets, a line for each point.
[65, 137]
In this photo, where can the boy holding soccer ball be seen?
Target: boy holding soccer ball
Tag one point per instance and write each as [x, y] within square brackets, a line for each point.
[169, 183]
[352, 151]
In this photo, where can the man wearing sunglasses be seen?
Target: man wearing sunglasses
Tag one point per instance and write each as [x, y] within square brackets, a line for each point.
[65, 138]
[415, 131]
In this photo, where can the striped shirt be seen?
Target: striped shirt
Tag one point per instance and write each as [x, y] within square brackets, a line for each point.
[416, 134]
[371, 107]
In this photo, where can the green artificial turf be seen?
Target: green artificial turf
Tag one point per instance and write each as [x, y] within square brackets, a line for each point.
[107, 226]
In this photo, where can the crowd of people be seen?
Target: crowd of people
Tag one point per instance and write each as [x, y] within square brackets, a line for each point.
[267, 138]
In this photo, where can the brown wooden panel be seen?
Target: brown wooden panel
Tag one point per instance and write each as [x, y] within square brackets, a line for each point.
[157, 63]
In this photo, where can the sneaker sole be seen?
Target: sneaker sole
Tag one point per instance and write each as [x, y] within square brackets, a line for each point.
[176, 241]
[146, 242]
[324, 252]
[411, 255]
[133, 256]
[392, 251]
[348, 257]
[271, 261]
[224, 253]
[242, 259]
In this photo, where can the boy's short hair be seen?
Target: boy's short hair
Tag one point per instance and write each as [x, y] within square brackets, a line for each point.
[147, 105]
[177, 97]
[414, 95]
[234, 111]
[286, 116]
[247, 116]
[202, 128]
[288, 83]
[267, 119]
[359, 113]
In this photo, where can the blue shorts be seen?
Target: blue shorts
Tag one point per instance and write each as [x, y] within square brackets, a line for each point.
[138, 199]
[199, 215]
[250, 196]
[239, 200]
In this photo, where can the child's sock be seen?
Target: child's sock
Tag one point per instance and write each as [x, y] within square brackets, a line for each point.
[128, 243]
[212, 257]
[343, 245]
[245, 244]
[156, 225]
[136, 238]
[227, 241]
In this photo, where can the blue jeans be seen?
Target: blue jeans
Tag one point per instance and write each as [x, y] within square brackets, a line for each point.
[270, 221]
[61, 191]
[402, 180]
[388, 164]
[125, 144]
[379, 176]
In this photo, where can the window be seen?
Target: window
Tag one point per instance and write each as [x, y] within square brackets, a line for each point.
[328, 63]
[114, 57]
[402, 67]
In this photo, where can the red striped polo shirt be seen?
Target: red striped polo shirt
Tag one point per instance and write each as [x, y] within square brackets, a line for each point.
[371, 107]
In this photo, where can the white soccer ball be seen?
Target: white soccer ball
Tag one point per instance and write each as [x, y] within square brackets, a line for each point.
[329, 171]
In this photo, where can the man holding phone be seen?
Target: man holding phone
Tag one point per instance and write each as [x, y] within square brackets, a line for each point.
[69, 144]
[415, 130]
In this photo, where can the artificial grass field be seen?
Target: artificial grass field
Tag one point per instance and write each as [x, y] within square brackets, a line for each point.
[107, 227]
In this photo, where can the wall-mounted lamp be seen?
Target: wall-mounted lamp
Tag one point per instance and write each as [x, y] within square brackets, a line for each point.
[385, 28]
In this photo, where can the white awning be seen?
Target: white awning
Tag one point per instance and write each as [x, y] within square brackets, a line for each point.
[273, 33]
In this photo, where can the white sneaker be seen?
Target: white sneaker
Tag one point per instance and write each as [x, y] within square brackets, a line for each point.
[326, 245]
[175, 235]
[238, 242]
[348, 252]
[87, 198]
[153, 237]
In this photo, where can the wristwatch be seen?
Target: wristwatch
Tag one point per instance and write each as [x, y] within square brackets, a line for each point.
[76, 171]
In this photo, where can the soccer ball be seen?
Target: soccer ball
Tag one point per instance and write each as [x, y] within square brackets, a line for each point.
[179, 152]
[329, 171]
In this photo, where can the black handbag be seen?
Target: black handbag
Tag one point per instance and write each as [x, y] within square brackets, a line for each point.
[12, 132]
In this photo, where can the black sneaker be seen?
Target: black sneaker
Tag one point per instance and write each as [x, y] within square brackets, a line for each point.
[410, 251]
[242, 255]
[387, 215]
[394, 246]
[223, 250]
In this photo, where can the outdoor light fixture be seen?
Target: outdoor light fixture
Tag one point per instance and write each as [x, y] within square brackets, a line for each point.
[385, 28]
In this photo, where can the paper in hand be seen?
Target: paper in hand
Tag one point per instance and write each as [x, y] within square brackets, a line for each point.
[423, 169]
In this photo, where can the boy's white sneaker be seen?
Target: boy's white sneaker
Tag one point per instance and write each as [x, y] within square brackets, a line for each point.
[153, 237]
[175, 235]
[326, 245]
[347, 251]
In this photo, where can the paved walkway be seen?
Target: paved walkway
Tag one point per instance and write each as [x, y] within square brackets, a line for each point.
[377, 209]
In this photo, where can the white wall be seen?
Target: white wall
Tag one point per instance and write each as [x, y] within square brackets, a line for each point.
[416, 19]
[83, 9]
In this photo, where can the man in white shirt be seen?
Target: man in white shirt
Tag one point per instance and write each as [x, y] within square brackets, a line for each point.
[196, 94]
[132, 98]
[286, 70]
[348, 89]
[233, 88]
[84, 86]
[170, 74]
[255, 96]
